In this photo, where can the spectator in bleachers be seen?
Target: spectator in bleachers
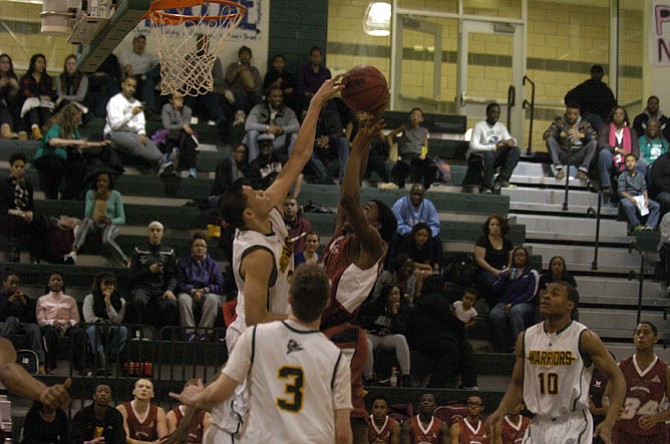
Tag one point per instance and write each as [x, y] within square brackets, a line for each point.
[635, 199]
[493, 252]
[378, 153]
[153, 427]
[557, 272]
[43, 424]
[425, 427]
[278, 77]
[37, 95]
[9, 91]
[571, 132]
[413, 152]
[199, 282]
[471, 427]
[125, 129]
[312, 76]
[594, 98]
[71, 84]
[652, 112]
[424, 251]
[99, 422]
[330, 143]
[513, 308]
[660, 181]
[199, 424]
[16, 210]
[105, 308]
[382, 429]
[271, 117]
[491, 146]
[229, 170]
[103, 214]
[245, 81]
[17, 314]
[385, 321]
[465, 311]
[414, 208]
[309, 254]
[103, 85]
[616, 140]
[401, 276]
[652, 146]
[144, 67]
[56, 312]
[267, 166]
[59, 157]
[296, 224]
[180, 143]
[154, 280]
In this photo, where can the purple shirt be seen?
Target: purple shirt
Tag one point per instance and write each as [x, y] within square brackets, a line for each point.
[192, 275]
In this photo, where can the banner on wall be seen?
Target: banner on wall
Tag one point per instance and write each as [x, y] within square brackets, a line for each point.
[659, 39]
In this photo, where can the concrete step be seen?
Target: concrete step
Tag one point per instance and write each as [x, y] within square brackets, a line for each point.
[532, 173]
[565, 228]
[579, 258]
[551, 201]
[620, 323]
[620, 291]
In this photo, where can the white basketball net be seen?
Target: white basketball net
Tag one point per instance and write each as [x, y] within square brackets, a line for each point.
[188, 45]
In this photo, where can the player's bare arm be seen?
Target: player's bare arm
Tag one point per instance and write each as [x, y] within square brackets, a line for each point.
[406, 433]
[445, 433]
[256, 270]
[161, 423]
[171, 420]
[593, 347]
[454, 433]
[514, 394]
[343, 434]
[395, 433]
[497, 435]
[648, 421]
[304, 144]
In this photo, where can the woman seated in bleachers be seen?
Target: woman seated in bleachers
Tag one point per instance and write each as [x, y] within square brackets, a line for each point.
[180, 142]
[493, 253]
[9, 90]
[105, 308]
[37, 96]
[103, 213]
[310, 254]
[59, 157]
[56, 312]
[402, 276]
[513, 291]
[424, 250]
[71, 84]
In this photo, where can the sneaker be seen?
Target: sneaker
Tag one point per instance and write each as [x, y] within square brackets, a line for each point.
[581, 175]
[166, 169]
[502, 184]
[638, 228]
[240, 117]
[192, 173]
[484, 190]
[202, 337]
[190, 337]
[174, 155]
[648, 228]
[469, 388]
[607, 191]
[70, 258]
[560, 175]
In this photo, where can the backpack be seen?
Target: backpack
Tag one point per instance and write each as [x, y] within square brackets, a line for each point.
[28, 360]
[461, 270]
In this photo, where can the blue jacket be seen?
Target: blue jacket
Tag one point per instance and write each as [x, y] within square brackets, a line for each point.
[192, 275]
[408, 215]
[521, 289]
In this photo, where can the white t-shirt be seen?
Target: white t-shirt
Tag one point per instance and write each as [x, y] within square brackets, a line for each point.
[297, 379]
[485, 137]
[464, 315]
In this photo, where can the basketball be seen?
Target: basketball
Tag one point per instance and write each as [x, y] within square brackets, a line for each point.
[364, 88]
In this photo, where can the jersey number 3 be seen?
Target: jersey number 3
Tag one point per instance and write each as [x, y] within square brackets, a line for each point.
[293, 388]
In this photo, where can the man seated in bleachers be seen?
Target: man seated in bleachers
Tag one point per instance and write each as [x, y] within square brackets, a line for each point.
[142, 65]
[425, 427]
[152, 427]
[471, 427]
[98, 421]
[491, 146]
[271, 117]
[153, 276]
[296, 224]
[651, 112]
[17, 314]
[266, 167]
[570, 133]
[245, 81]
[278, 77]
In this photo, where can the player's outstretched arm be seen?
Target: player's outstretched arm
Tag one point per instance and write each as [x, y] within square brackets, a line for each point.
[454, 433]
[343, 434]
[256, 269]
[593, 347]
[304, 144]
[514, 394]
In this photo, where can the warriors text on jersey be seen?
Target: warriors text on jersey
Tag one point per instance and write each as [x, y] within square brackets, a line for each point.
[379, 435]
[431, 434]
[297, 379]
[472, 434]
[556, 376]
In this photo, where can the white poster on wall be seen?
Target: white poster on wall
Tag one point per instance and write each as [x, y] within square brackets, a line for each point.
[659, 30]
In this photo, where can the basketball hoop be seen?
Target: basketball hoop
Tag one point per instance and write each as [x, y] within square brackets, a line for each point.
[188, 44]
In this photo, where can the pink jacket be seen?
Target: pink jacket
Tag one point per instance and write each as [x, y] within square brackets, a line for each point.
[56, 307]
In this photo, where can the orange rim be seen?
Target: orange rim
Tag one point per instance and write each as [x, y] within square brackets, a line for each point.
[157, 14]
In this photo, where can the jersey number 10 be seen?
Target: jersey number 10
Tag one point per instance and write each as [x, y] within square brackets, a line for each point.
[548, 383]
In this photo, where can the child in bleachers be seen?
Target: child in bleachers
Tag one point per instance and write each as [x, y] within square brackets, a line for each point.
[464, 310]
[412, 152]
[635, 199]
[17, 314]
[180, 141]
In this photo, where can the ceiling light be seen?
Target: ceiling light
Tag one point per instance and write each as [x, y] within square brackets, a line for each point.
[378, 19]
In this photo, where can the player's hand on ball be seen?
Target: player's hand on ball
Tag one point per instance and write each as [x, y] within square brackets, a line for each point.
[328, 89]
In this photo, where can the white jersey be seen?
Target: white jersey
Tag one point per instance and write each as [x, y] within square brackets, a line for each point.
[297, 379]
[278, 243]
[556, 378]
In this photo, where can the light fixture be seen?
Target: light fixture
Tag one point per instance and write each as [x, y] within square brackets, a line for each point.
[377, 20]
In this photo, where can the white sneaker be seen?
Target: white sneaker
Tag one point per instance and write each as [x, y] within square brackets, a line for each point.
[166, 169]
[70, 258]
[239, 118]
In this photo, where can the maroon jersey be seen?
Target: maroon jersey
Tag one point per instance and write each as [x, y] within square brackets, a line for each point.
[428, 435]
[379, 435]
[473, 434]
[645, 392]
[197, 426]
[142, 431]
[512, 432]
